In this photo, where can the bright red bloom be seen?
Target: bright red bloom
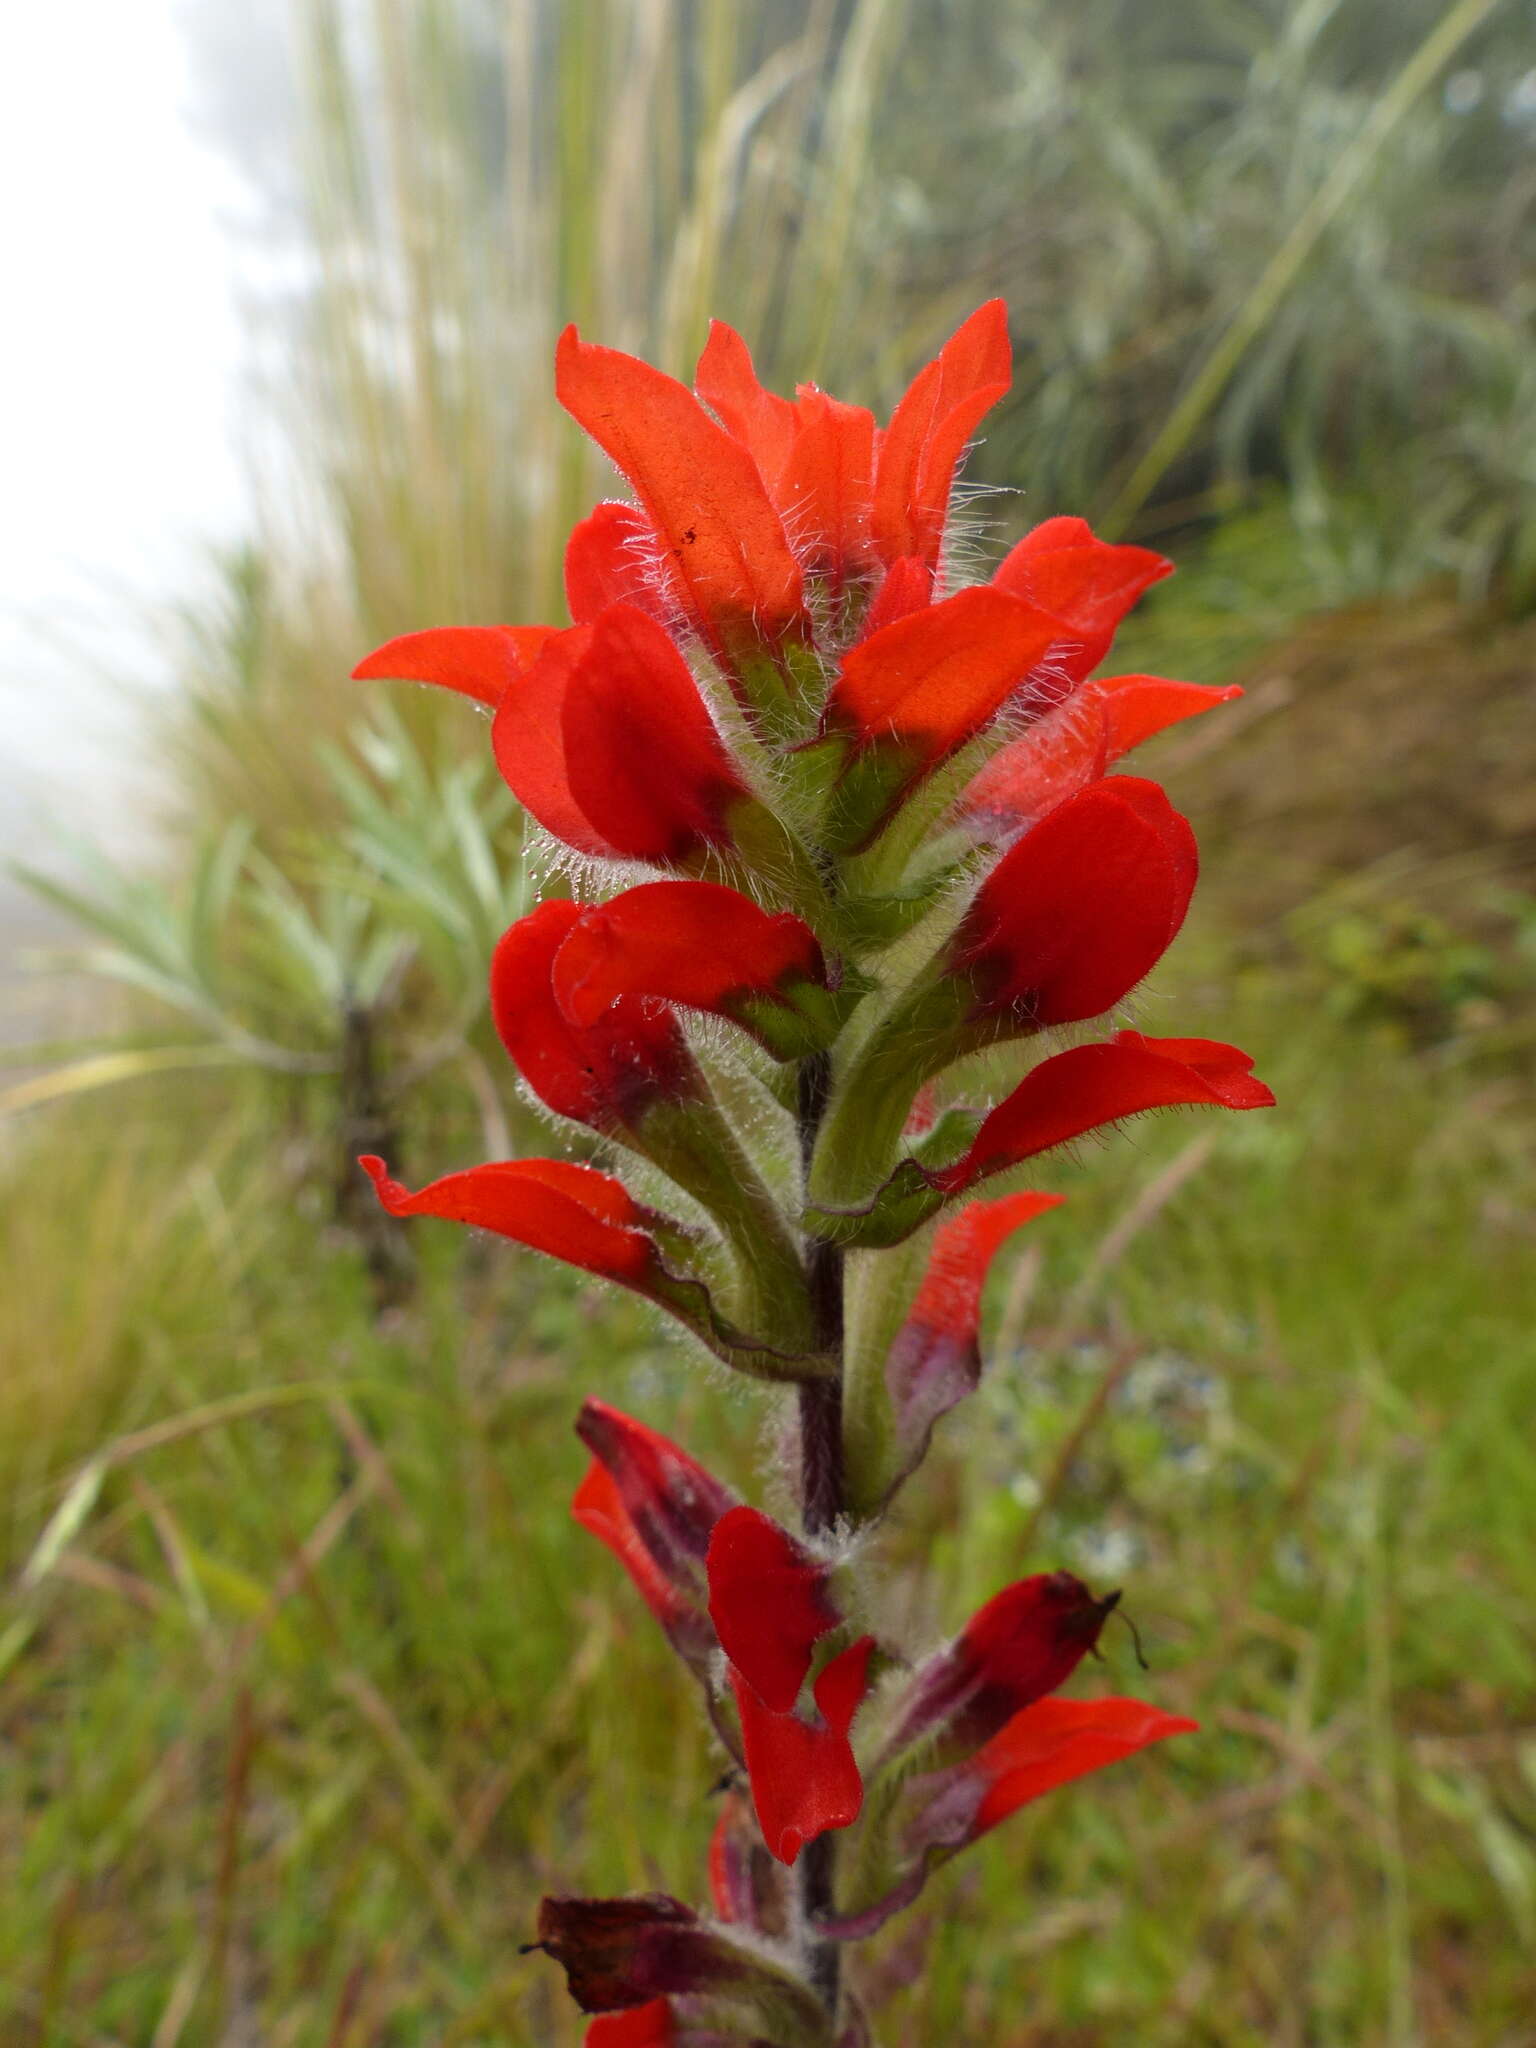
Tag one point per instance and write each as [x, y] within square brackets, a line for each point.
[767, 1599]
[608, 743]
[1085, 582]
[1023, 1644]
[642, 2026]
[605, 1074]
[655, 1508]
[1045, 1746]
[1092, 1085]
[805, 1779]
[475, 661]
[1078, 743]
[1082, 908]
[724, 548]
[610, 559]
[935, 1361]
[572, 1212]
[704, 947]
[921, 448]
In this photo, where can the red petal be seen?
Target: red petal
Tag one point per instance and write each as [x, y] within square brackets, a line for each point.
[825, 493]
[1083, 907]
[603, 1075]
[608, 743]
[571, 1212]
[929, 431]
[906, 587]
[725, 546]
[936, 676]
[599, 1507]
[610, 558]
[476, 661]
[804, 1776]
[1093, 1085]
[760, 420]
[768, 1602]
[1087, 583]
[1080, 741]
[694, 943]
[1054, 1741]
[643, 2026]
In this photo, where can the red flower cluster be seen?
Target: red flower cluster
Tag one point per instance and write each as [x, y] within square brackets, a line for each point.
[832, 825]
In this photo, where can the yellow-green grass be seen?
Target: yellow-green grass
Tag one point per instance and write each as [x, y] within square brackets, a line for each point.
[313, 1693]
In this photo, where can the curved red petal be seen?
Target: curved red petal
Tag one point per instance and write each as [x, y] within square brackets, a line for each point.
[937, 675]
[1139, 707]
[571, 1212]
[668, 1497]
[603, 1075]
[725, 547]
[760, 420]
[610, 558]
[929, 430]
[906, 587]
[599, 1507]
[1054, 1741]
[474, 661]
[767, 1599]
[804, 1776]
[528, 739]
[827, 481]
[695, 943]
[1083, 907]
[1092, 1085]
[1088, 583]
[643, 2026]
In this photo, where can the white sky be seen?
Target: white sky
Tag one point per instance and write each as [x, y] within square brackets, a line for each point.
[119, 358]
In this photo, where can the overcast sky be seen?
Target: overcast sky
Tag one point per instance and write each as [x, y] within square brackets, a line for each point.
[120, 355]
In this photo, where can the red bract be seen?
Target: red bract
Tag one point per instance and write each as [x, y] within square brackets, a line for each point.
[1023, 1644]
[605, 1074]
[767, 1599]
[1054, 1742]
[700, 945]
[724, 547]
[1078, 743]
[935, 1361]
[805, 1779]
[610, 559]
[474, 661]
[921, 448]
[1082, 907]
[572, 1212]
[1086, 583]
[608, 743]
[1093, 1085]
[655, 1508]
[643, 2026]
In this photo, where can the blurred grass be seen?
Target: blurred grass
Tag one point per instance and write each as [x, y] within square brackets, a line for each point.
[314, 1687]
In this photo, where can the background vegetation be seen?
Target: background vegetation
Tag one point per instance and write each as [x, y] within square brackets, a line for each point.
[307, 1684]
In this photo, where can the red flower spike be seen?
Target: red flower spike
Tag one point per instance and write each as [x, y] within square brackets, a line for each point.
[1023, 1644]
[768, 1602]
[1078, 742]
[604, 1075]
[929, 429]
[608, 743]
[1092, 1085]
[805, 1779]
[1086, 582]
[474, 661]
[654, 1507]
[643, 2026]
[698, 944]
[935, 1361]
[725, 547]
[609, 559]
[1083, 907]
[763, 423]
[571, 1212]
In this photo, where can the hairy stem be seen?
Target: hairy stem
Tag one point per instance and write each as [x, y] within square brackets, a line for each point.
[821, 1502]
